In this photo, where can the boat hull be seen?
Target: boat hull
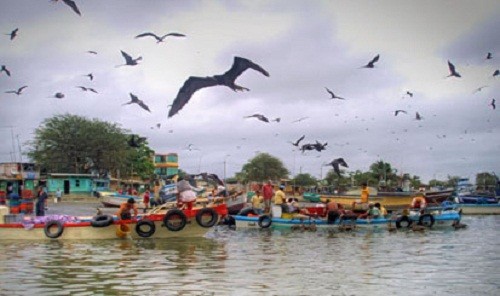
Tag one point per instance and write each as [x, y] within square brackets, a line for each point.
[480, 209]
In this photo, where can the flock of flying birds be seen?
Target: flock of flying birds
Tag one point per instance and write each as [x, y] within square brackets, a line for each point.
[240, 65]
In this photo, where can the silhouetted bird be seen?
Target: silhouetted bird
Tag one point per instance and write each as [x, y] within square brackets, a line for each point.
[90, 76]
[259, 117]
[399, 111]
[320, 147]
[135, 100]
[129, 61]
[489, 56]
[135, 141]
[453, 72]
[307, 147]
[336, 163]
[71, 4]
[91, 52]
[408, 93]
[333, 96]
[496, 73]
[192, 84]
[4, 69]
[158, 38]
[277, 119]
[87, 89]
[13, 34]
[58, 95]
[371, 64]
[18, 91]
[158, 125]
[418, 116]
[479, 89]
[492, 104]
[296, 144]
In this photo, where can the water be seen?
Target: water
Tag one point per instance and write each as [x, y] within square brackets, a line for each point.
[263, 262]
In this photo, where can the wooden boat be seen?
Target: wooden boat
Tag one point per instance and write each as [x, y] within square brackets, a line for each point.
[115, 200]
[435, 217]
[173, 223]
[390, 200]
[479, 209]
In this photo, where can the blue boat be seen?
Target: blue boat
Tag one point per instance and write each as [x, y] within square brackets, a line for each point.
[433, 217]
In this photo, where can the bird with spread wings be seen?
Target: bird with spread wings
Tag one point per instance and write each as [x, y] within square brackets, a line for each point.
[336, 163]
[193, 84]
[135, 100]
[160, 38]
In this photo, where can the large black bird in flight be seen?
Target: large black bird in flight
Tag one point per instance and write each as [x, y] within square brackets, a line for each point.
[193, 84]
[336, 163]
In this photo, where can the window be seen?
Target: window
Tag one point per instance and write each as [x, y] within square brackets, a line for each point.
[77, 183]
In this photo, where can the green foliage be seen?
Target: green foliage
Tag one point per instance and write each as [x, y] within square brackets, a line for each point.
[263, 167]
[304, 180]
[486, 181]
[74, 144]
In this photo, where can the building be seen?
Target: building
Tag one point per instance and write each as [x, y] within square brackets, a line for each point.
[20, 178]
[166, 165]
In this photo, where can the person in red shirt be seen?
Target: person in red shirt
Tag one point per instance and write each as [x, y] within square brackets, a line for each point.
[145, 200]
[267, 193]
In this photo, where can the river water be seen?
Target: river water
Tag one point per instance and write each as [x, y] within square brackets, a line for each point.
[261, 262]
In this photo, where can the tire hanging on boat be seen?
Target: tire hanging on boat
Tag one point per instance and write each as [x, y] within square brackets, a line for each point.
[426, 220]
[265, 221]
[402, 220]
[207, 211]
[174, 215]
[145, 223]
[48, 229]
[101, 221]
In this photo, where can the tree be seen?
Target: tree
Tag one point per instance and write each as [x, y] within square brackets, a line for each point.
[74, 144]
[263, 167]
[304, 180]
[486, 181]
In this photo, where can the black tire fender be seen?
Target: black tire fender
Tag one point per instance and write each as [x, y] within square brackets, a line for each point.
[403, 219]
[173, 214]
[207, 211]
[265, 221]
[48, 229]
[145, 223]
[101, 221]
[426, 220]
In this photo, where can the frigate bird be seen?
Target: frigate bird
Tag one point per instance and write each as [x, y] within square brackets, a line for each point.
[18, 91]
[193, 84]
[300, 119]
[371, 64]
[336, 163]
[333, 96]
[399, 111]
[319, 147]
[489, 56]
[160, 38]
[307, 147]
[91, 51]
[135, 141]
[296, 144]
[408, 93]
[135, 100]
[479, 89]
[492, 104]
[90, 76]
[259, 117]
[13, 34]
[453, 72]
[87, 89]
[496, 73]
[71, 4]
[58, 95]
[277, 119]
[418, 116]
[129, 61]
[4, 69]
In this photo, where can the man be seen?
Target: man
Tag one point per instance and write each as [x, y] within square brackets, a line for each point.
[418, 201]
[125, 208]
[58, 195]
[365, 194]
[333, 211]
[267, 193]
[40, 204]
[279, 196]
[185, 194]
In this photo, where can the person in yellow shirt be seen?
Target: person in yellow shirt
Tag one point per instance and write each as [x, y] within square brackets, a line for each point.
[365, 194]
[257, 201]
[279, 196]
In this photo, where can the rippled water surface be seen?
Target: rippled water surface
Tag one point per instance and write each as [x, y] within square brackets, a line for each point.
[263, 262]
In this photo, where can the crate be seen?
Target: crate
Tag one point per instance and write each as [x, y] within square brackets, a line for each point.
[13, 218]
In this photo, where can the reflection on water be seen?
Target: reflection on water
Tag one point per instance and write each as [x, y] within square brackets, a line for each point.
[267, 262]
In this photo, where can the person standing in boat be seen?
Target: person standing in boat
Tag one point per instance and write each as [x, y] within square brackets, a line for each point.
[365, 195]
[40, 203]
[256, 201]
[185, 193]
[146, 200]
[279, 196]
[125, 209]
[267, 193]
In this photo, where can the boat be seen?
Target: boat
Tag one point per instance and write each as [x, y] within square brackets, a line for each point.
[479, 209]
[390, 200]
[433, 217]
[116, 199]
[466, 193]
[172, 223]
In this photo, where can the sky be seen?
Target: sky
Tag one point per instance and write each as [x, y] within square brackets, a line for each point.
[306, 46]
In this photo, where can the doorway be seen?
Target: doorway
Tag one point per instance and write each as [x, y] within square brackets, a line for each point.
[66, 186]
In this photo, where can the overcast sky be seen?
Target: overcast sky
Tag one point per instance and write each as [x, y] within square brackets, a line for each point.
[304, 45]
